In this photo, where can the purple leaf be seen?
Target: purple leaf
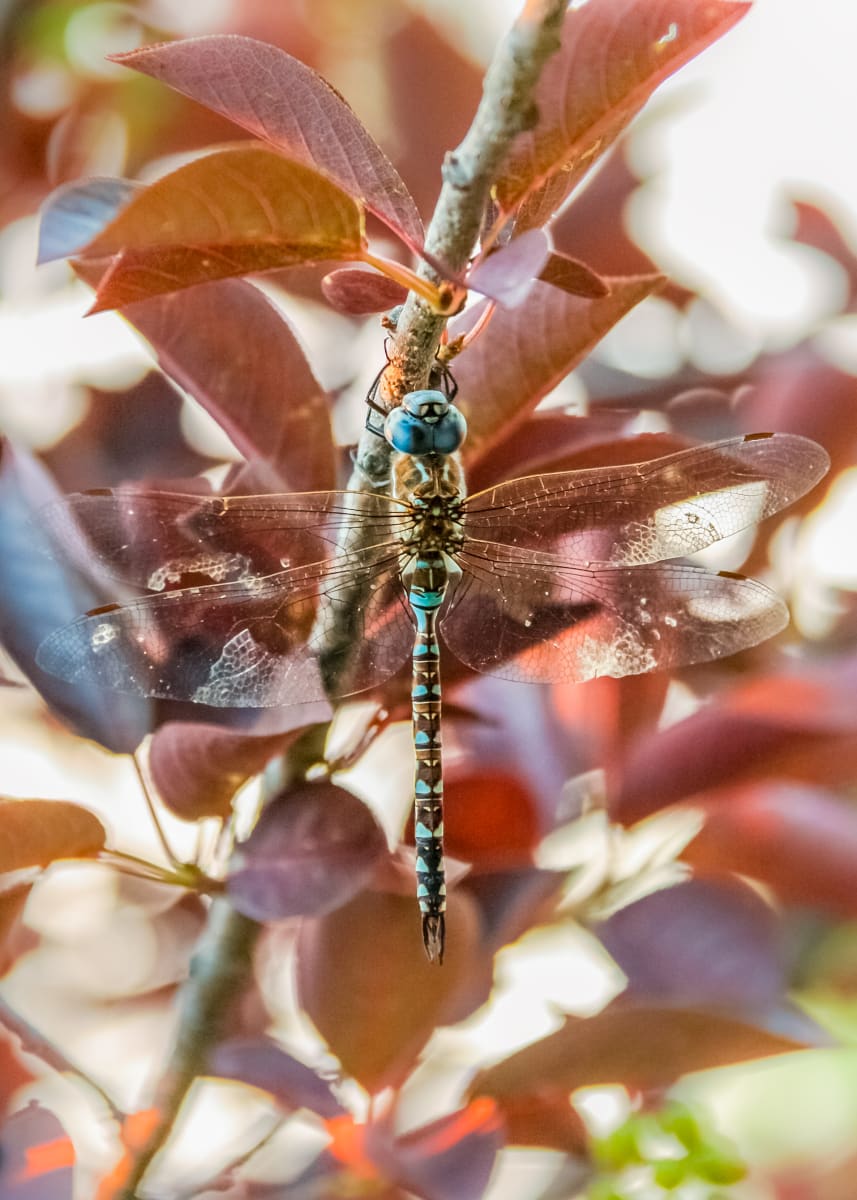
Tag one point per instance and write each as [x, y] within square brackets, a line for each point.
[197, 768]
[711, 943]
[450, 1159]
[38, 594]
[281, 100]
[799, 841]
[355, 291]
[507, 275]
[261, 1063]
[208, 340]
[36, 1157]
[312, 850]
[77, 212]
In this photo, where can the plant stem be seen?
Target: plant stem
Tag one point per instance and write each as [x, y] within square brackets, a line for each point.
[220, 971]
[507, 108]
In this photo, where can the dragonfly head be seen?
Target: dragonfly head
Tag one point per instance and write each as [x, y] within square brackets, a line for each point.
[425, 423]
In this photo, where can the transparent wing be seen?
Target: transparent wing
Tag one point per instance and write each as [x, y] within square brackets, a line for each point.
[522, 615]
[165, 539]
[326, 629]
[651, 511]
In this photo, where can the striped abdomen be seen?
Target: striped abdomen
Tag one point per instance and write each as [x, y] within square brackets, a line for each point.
[427, 587]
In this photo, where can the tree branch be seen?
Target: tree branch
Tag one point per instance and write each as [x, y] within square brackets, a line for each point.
[506, 109]
[220, 971]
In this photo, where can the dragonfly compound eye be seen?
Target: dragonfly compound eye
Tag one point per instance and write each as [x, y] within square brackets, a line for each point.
[450, 431]
[408, 434]
[426, 423]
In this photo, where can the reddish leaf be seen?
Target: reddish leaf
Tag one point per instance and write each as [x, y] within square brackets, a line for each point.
[799, 841]
[281, 100]
[357, 292]
[233, 212]
[614, 54]
[197, 769]
[787, 726]
[34, 833]
[269, 404]
[605, 715]
[312, 850]
[525, 352]
[642, 1048]
[261, 1063]
[705, 942]
[573, 276]
[490, 818]
[547, 1121]
[547, 441]
[592, 227]
[388, 998]
[507, 275]
[36, 1157]
[816, 228]
[77, 212]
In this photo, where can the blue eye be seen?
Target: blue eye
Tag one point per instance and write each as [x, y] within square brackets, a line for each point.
[449, 432]
[425, 423]
[408, 434]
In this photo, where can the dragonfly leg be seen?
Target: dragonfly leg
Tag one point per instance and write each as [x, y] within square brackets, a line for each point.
[374, 409]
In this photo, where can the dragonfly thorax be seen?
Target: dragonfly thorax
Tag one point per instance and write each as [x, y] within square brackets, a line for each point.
[436, 525]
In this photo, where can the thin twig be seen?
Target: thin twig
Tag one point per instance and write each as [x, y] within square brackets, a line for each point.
[150, 804]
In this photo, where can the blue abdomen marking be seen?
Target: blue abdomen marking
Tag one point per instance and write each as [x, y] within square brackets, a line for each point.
[427, 590]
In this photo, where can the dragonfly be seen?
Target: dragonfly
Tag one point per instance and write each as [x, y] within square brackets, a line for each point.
[267, 600]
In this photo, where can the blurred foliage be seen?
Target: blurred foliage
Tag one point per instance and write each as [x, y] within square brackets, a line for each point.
[581, 811]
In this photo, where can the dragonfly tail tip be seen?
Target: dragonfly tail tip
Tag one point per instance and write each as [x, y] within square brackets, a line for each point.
[434, 936]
